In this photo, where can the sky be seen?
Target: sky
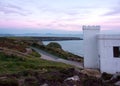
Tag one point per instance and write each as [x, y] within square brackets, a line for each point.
[57, 16]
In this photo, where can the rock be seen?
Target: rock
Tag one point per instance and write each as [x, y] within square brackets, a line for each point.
[117, 83]
[28, 50]
[21, 82]
[115, 76]
[106, 77]
[77, 70]
[72, 81]
[40, 43]
[3, 78]
[91, 72]
[92, 81]
[74, 78]
[45, 84]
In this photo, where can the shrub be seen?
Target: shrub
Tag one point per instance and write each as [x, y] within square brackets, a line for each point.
[31, 81]
[34, 53]
[106, 76]
[54, 45]
[8, 82]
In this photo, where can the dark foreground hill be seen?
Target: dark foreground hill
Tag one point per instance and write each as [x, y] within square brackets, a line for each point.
[18, 68]
[19, 71]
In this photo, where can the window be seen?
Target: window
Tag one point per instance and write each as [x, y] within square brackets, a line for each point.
[116, 51]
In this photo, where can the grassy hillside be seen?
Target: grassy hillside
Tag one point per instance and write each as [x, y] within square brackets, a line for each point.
[22, 66]
[16, 56]
[14, 64]
[19, 71]
[13, 44]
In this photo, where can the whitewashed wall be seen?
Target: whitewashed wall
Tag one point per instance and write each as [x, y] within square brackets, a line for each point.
[91, 57]
[108, 63]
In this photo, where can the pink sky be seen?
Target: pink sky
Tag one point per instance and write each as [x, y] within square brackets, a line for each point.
[59, 14]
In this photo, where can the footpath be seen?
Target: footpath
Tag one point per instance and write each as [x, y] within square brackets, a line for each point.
[47, 56]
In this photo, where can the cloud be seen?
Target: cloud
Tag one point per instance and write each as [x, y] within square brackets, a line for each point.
[12, 9]
[70, 11]
[114, 11]
[9, 11]
[60, 26]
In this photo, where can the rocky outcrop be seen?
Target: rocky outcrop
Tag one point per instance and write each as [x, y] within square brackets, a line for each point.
[67, 77]
[92, 72]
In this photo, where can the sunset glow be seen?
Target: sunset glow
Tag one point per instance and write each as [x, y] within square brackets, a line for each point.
[68, 15]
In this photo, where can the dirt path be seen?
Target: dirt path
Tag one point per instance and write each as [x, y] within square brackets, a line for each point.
[47, 56]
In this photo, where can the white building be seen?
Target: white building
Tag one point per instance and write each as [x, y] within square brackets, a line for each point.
[101, 51]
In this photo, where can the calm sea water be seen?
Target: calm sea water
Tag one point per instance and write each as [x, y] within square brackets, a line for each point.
[73, 46]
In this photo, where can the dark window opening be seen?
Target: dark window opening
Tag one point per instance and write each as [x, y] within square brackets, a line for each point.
[116, 51]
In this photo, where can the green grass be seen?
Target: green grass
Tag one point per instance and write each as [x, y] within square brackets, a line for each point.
[35, 54]
[13, 64]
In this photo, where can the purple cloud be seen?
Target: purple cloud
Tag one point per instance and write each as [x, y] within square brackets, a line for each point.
[9, 11]
[13, 9]
[113, 12]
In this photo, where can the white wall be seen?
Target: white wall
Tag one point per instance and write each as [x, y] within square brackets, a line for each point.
[91, 58]
[108, 63]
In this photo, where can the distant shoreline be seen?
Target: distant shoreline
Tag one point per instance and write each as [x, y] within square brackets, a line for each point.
[57, 38]
[42, 38]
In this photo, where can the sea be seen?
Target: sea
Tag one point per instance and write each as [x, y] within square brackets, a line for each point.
[73, 46]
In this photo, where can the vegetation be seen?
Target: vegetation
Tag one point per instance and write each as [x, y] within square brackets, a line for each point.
[50, 48]
[23, 68]
[54, 45]
[14, 68]
[19, 71]
[13, 44]
[17, 47]
[14, 64]
[9, 82]
[35, 54]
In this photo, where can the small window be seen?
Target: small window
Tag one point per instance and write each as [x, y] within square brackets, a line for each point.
[116, 51]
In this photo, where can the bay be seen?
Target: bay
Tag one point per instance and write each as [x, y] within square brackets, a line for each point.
[73, 46]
